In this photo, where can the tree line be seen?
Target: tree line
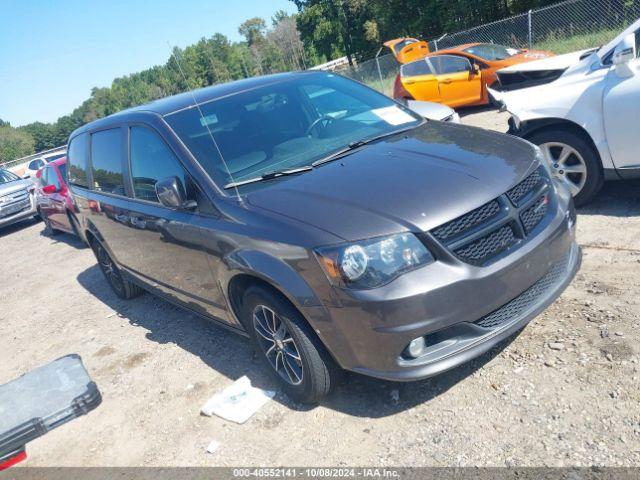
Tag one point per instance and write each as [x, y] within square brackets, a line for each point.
[357, 28]
[321, 30]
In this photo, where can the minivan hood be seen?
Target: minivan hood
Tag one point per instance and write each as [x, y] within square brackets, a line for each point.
[414, 181]
[11, 187]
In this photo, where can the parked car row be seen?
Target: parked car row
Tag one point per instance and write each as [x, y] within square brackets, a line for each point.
[333, 226]
[577, 107]
[336, 228]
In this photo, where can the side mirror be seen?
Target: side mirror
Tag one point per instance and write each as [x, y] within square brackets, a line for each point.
[171, 194]
[49, 189]
[625, 51]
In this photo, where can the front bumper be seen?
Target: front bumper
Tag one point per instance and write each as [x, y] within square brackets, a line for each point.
[462, 310]
[22, 214]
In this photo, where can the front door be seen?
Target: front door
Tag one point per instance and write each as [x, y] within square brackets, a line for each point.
[459, 84]
[166, 250]
[418, 79]
[621, 107]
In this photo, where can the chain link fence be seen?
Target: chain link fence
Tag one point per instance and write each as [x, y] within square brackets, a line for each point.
[564, 27]
[560, 28]
[378, 73]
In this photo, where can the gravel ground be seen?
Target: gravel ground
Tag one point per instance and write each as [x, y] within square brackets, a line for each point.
[563, 392]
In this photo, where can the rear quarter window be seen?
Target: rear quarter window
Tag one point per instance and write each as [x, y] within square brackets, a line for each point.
[77, 161]
[106, 160]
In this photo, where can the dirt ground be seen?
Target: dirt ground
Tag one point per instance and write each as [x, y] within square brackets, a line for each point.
[563, 392]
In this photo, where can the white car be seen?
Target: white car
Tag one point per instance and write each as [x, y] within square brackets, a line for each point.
[582, 111]
[434, 111]
[37, 163]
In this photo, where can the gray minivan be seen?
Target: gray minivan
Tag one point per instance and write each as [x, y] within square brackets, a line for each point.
[332, 225]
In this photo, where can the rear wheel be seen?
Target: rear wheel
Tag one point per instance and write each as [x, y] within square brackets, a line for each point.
[573, 161]
[48, 228]
[121, 286]
[291, 351]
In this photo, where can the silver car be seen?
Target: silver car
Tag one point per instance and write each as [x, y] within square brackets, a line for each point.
[16, 198]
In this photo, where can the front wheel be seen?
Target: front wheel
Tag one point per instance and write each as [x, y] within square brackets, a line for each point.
[288, 347]
[573, 161]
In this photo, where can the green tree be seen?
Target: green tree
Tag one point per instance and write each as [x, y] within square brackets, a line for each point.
[14, 143]
[253, 30]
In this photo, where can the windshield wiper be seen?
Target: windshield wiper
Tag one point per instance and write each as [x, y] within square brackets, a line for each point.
[269, 176]
[357, 144]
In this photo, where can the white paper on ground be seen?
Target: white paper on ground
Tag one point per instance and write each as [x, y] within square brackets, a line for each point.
[213, 446]
[393, 115]
[238, 402]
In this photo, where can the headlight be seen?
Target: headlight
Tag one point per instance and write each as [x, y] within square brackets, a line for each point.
[375, 262]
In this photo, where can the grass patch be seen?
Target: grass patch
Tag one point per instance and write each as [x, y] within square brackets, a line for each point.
[559, 43]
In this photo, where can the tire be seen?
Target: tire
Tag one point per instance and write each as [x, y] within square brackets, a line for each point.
[315, 369]
[122, 287]
[552, 141]
[48, 228]
[75, 225]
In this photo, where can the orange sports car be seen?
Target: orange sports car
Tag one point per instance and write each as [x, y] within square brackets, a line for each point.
[458, 76]
[407, 49]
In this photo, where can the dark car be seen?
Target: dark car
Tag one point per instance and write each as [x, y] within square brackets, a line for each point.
[330, 224]
[54, 203]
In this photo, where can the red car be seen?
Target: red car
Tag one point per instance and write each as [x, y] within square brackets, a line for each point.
[53, 201]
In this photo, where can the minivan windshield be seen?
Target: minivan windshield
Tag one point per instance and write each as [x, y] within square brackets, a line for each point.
[6, 176]
[285, 125]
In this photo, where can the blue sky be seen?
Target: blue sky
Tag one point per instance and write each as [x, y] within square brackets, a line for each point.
[52, 52]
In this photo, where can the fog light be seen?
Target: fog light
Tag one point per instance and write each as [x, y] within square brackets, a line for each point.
[416, 347]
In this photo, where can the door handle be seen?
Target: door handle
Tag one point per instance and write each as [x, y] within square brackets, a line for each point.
[121, 217]
[409, 82]
[447, 80]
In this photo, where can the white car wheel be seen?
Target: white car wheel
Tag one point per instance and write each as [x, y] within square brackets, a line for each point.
[566, 165]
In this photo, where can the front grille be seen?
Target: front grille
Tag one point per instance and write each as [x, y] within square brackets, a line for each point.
[14, 203]
[14, 197]
[521, 190]
[467, 221]
[528, 298]
[477, 252]
[534, 214]
[480, 236]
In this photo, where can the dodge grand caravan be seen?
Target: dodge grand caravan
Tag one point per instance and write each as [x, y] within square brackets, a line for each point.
[333, 226]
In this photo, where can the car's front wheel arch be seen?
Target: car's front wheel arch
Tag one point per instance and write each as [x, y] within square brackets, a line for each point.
[561, 136]
[311, 371]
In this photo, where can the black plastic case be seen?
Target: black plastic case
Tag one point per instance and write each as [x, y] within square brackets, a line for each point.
[44, 399]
